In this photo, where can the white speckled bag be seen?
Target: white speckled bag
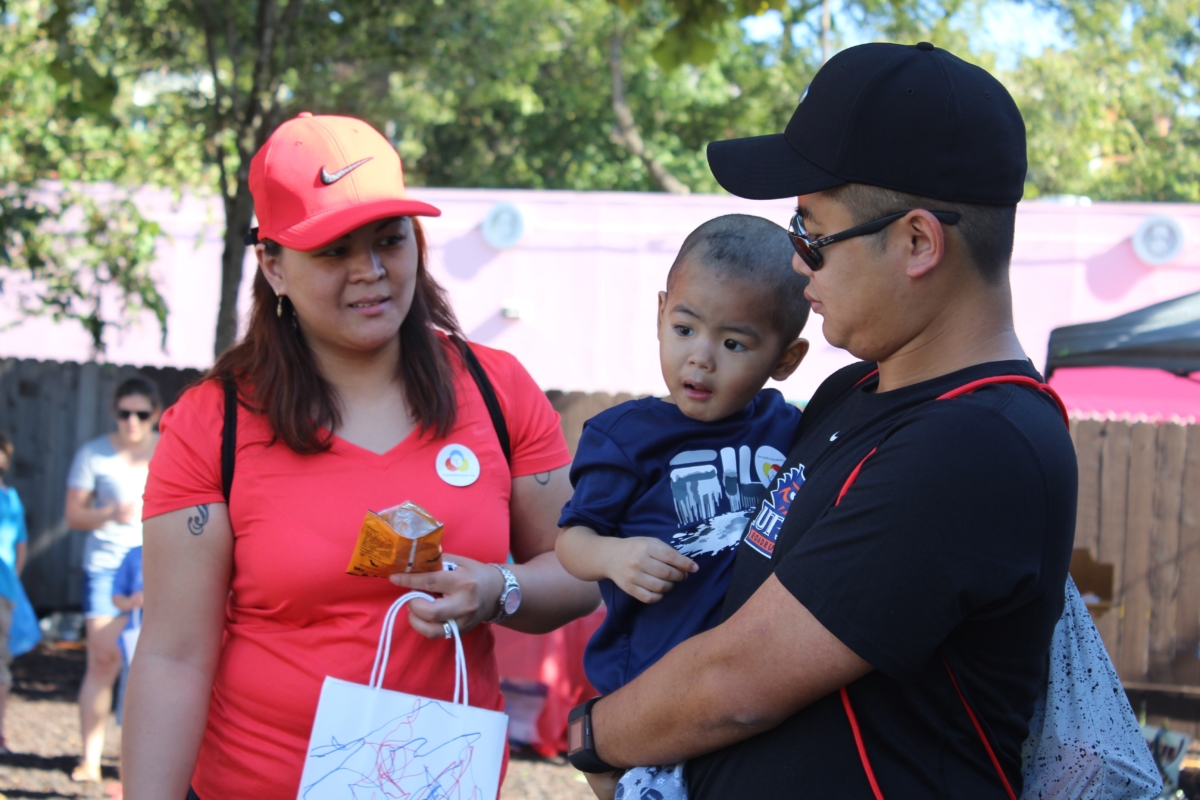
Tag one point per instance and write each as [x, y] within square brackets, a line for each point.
[1084, 742]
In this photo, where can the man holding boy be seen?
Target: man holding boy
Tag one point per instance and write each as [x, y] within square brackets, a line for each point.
[914, 546]
[665, 487]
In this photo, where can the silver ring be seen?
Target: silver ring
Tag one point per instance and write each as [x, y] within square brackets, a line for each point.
[449, 631]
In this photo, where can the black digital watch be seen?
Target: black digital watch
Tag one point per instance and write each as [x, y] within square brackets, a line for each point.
[581, 745]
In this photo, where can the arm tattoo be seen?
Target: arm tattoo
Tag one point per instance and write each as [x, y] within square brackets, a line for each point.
[196, 524]
[542, 478]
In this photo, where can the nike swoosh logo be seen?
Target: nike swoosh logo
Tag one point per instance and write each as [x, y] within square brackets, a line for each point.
[834, 437]
[328, 178]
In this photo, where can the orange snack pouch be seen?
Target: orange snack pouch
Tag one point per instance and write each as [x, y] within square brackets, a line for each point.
[404, 538]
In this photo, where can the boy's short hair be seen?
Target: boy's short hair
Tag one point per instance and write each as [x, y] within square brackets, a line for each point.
[987, 231]
[757, 251]
[6, 445]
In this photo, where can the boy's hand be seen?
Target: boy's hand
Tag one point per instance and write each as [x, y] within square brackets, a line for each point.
[136, 599]
[646, 568]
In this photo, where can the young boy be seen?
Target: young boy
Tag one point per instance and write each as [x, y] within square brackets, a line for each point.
[664, 488]
[13, 546]
[128, 587]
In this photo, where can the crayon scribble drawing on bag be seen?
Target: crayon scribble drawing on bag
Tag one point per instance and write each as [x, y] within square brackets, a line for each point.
[427, 752]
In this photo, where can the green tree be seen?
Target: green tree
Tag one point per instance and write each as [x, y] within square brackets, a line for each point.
[559, 94]
[557, 128]
[514, 93]
[72, 243]
[1116, 115]
[233, 72]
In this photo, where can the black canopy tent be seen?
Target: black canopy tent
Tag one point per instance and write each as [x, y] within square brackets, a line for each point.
[1162, 336]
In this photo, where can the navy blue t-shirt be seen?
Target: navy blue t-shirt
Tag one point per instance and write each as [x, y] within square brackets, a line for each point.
[643, 468]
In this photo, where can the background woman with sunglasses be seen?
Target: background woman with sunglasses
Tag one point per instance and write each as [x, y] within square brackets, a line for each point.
[104, 498]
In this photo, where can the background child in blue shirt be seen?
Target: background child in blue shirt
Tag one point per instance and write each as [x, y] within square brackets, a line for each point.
[13, 546]
[664, 488]
[127, 594]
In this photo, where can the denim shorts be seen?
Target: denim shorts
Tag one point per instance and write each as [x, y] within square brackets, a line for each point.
[97, 592]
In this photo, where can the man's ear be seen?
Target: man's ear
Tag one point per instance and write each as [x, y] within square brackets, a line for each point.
[662, 311]
[926, 242]
[271, 268]
[792, 355]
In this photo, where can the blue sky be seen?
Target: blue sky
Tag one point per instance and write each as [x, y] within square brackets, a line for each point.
[1010, 29]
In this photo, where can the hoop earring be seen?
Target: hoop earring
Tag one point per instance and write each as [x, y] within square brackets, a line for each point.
[279, 306]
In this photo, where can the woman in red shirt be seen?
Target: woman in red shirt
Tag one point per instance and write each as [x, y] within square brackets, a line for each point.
[352, 397]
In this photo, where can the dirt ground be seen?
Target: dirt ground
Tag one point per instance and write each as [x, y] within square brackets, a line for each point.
[42, 728]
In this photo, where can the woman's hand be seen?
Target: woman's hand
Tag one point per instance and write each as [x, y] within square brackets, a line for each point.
[469, 595]
[82, 516]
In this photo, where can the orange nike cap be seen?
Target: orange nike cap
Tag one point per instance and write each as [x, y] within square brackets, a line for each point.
[318, 178]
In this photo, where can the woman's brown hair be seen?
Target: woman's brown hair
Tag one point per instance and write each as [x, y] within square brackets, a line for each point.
[278, 376]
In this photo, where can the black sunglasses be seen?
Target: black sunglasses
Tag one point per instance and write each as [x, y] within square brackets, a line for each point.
[124, 414]
[810, 250]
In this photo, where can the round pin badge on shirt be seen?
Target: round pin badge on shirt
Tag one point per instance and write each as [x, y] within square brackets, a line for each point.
[457, 465]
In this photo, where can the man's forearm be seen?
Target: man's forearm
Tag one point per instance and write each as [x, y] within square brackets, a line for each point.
[88, 519]
[684, 706]
[697, 699]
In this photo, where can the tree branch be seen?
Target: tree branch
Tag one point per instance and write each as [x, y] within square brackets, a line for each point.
[627, 132]
[210, 48]
[286, 20]
[250, 124]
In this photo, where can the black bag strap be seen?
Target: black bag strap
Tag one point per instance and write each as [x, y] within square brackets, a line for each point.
[489, 395]
[229, 436]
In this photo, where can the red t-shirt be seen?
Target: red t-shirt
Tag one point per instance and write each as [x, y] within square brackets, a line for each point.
[294, 615]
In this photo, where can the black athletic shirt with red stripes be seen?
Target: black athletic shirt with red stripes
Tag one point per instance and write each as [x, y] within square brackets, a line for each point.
[950, 549]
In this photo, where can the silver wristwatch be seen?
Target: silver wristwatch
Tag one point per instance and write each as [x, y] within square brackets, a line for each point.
[510, 597]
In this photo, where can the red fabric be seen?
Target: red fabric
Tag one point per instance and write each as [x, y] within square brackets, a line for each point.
[858, 741]
[853, 476]
[979, 730]
[294, 615]
[556, 660]
[1019, 380]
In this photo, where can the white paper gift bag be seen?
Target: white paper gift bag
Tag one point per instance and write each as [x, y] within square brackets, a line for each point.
[369, 743]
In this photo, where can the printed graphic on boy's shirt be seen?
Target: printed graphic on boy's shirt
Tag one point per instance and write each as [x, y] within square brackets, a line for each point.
[715, 494]
[764, 531]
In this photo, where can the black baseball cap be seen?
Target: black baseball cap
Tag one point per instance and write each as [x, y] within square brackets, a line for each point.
[914, 119]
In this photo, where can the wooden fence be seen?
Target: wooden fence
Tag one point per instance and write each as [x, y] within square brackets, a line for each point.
[49, 409]
[1139, 510]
